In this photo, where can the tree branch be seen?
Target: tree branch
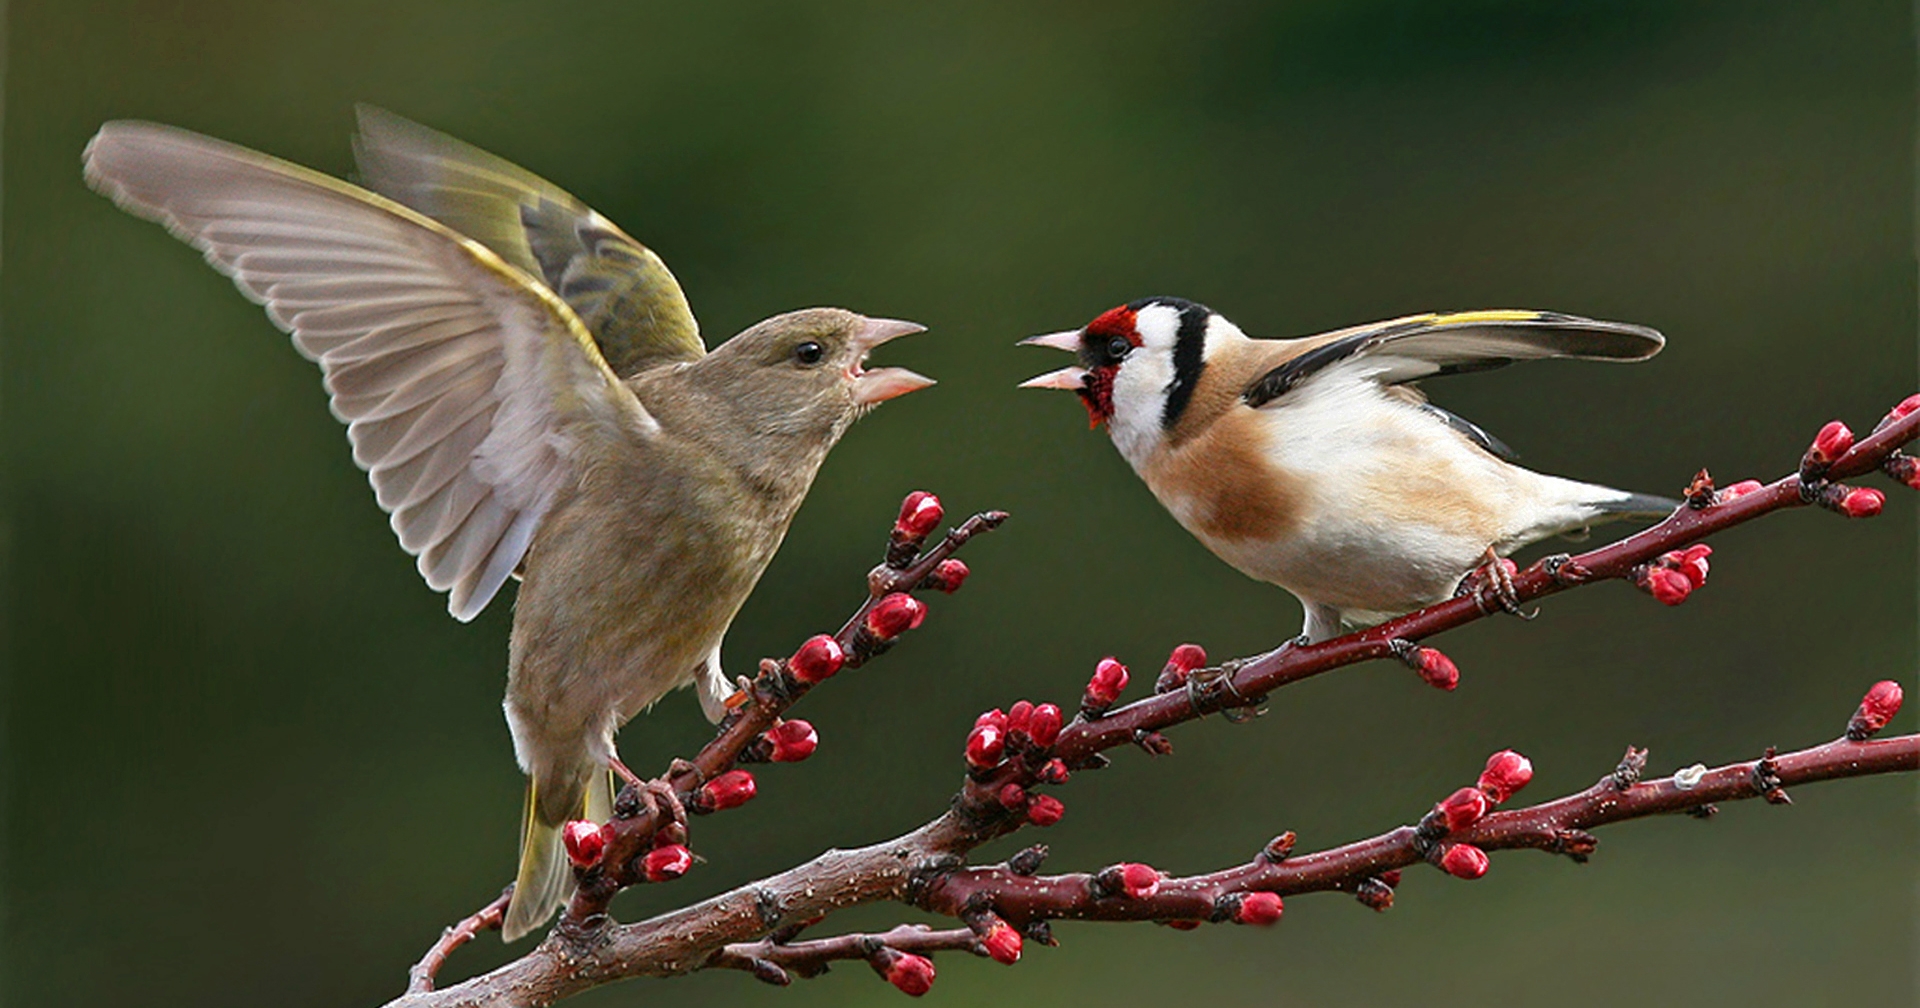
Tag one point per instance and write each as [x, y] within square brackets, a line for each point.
[1014, 753]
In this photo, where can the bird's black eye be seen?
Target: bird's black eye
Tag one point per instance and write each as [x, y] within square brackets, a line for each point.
[808, 352]
[1118, 347]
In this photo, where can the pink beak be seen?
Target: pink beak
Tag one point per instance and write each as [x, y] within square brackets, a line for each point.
[882, 384]
[1071, 379]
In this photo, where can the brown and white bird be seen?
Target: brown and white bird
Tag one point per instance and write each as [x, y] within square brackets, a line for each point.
[528, 392]
[1314, 465]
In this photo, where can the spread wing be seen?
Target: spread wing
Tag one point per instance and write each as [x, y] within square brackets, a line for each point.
[465, 386]
[621, 290]
[1422, 346]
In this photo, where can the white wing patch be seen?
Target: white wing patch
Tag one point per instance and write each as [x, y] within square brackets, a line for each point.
[466, 387]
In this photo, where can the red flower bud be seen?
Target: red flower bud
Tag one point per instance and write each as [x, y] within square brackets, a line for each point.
[1833, 441]
[1507, 772]
[793, 741]
[1665, 584]
[919, 513]
[911, 973]
[1188, 657]
[986, 744]
[666, 863]
[1012, 796]
[1258, 908]
[895, 614]
[1906, 406]
[1692, 562]
[949, 575]
[995, 717]
[1044, 810]
[1054, 772]
[819, 658]
[1437, 669]
[1463, 808]
[1877, 708]
[1108, 682]
[1862, 502]
[1003, 943]
[1044, 726]
[1740, 489]
[1020, 718]
[1139, 881]
[584, 841]
[1391, 877]
[729, 790]
[1464, 861]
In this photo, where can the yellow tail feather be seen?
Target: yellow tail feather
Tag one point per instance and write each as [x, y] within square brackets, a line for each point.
[545, 879]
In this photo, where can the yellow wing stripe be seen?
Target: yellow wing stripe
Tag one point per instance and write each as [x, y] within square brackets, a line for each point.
[1486, 315]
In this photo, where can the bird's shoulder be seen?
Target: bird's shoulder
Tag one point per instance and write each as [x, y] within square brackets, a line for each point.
[1231, 369]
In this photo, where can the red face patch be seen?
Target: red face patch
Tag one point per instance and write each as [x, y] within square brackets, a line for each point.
[1113, 322]
[1113, 329]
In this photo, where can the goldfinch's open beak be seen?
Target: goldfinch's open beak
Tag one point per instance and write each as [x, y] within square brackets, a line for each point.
[1068, 378]
[882, 384]
[1068, 341]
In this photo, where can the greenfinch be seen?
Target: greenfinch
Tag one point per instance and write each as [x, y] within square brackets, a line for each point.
[527, 389]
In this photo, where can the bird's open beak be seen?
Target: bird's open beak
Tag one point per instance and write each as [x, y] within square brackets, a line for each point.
[882, 384]
[1071, 379]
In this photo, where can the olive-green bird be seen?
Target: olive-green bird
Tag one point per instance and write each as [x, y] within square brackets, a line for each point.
[527, 390]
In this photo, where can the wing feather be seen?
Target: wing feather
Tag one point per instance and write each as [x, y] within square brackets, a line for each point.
[623, 293]
[469, 390]
[1421, 346]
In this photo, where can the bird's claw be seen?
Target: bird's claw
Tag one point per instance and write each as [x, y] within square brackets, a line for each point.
[1494, 577]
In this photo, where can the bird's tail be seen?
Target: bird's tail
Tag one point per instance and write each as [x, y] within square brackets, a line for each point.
[1636, 505]
[545, 879]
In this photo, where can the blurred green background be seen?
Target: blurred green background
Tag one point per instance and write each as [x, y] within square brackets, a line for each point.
[250, 761]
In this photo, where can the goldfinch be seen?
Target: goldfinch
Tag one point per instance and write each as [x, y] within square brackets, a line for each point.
[1315, 465]
[528, 392]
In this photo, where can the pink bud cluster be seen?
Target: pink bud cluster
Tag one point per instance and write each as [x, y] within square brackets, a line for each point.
[1027, 729]
[1877, 708]
[1740, 489]
[1506, 772]
[1674, 575]
[586, 844]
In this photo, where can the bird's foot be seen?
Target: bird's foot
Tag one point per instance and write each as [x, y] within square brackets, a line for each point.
[1492, 582]
[620, 770]
[1210, 690]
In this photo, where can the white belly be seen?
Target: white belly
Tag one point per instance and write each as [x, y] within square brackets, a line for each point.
[1388, 507]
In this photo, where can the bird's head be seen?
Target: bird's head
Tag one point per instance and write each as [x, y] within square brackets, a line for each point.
[803, 374]
[1138, 363]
